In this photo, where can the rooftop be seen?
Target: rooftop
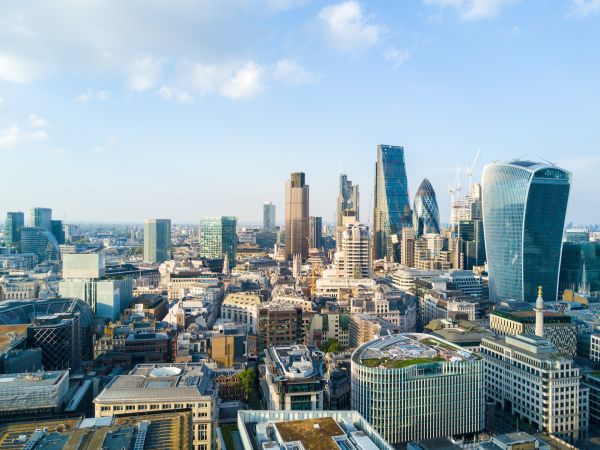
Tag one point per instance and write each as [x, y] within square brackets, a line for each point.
[314, 434]
[535, 346]
[403, 350]
[22, 380]
[296, 361]
[550, 317]
[10, 335]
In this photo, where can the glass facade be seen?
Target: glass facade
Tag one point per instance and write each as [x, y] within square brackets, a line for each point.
[580, 267]
[15, 221]
[41, 218]
[157, 240]
[268, 216]
[426, 214]
[218, 237]
[347, 201]
[392, 208]
[524, 207]
[41, 243]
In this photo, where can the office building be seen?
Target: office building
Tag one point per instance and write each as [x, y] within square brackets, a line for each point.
[31, 394]
[426, 214]
[57, 230]
[242, 307]
[364, 328]
[157, 240]
[392, 210]
[156, 387]
[293, 378]
[15, 221]
[470, 234]
[296, 216]
[218, 237]
[58, 336]
[529, 378]
[269, 216]
[322, 430]
[595, 347]
[41, 243]
[41, 218]
[414, 387]
[580, 267]
[347, 201]
[315, 235]
[279, 324]
[577, 235]
[354, 259]
[524, 207]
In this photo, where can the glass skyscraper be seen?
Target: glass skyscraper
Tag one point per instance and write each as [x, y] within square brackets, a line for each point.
[296, 216]
[347, 201]
[268, 216]
[41, 243]
[15, 221]
[218, 237]
[157, 240]
[41, 218]
[524, 207]
[392, 208]
[426, 214]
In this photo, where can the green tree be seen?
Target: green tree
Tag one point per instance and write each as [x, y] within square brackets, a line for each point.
[247, 381]
[330, 346]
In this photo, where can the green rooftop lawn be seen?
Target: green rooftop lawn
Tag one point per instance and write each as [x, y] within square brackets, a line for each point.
[398, 363]
[434, 342]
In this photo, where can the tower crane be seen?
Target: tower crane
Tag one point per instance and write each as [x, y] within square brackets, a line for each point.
[469, 170]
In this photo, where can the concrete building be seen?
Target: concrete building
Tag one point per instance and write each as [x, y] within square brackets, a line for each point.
[294, 378]
[279, 324]
[364, 328]
[296, 216]
[413, 387]
[314, 430]
[595, 347]
[269, 217]
[242, 307]
[157, 240]
[347, 201]
[152, 388]
[354, 259]
[31, 394]
[41, 218]
[528, 377]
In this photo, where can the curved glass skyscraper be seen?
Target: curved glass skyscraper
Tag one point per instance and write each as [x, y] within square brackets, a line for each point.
[524, 207]
[392, 208]
[426, 214]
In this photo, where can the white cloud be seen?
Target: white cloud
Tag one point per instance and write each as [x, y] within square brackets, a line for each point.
[144, 73]
[36, 121]
[15, 69]
[289, 72]
[397, 56]
[347, 27]
[172, 93]
[247, 81]
[285, 5]
[91, 95]
[99, 150]
[37, 135]
[10, 137]
[584, 8]
[473, 9]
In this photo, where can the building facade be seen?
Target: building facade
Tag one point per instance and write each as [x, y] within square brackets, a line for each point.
[315, 235]
[524, 207]
[14, 223]
[218, 238]
[41, 243]
[354, 260]
[426, 214]
[392, 208]
[269, 216]
[347, 201]
[41, 218]
[157, 240]
[242, 307]
[413, 387]
[296, 216]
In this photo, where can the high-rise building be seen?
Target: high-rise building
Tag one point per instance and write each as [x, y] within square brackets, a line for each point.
[426, 214]
[580, 267]
[524, 207]
[57, 230]
[315, 235]
[41, 218]
[218, 237]
[58, 335]
[577, 235]
[413, 387]
[347, 201]
[15, 221]
[269, 216]
[296, 216]
[41, 243]
[157, 240]
[392, 208]
[354, 260]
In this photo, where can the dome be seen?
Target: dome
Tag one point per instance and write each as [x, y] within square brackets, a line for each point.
[165, 372]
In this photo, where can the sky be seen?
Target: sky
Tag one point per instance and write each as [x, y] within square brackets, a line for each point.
[115, 111]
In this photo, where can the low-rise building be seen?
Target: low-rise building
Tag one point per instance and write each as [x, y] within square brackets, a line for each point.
[366, 327]
[242, 307]
[279, 324]
[31, 394]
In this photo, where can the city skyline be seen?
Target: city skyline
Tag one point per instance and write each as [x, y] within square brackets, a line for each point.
[109, 105]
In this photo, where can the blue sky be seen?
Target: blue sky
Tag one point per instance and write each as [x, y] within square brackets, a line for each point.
[118, 111]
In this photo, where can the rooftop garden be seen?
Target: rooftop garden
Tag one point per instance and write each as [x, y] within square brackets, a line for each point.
[435, 343]
[398, 363]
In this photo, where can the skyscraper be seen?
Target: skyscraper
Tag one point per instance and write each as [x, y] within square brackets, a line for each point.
[426, 214]
[268, 216]
[41, 243]
[218, 237]
[157, 240]
[353, 260]
[15, 221]
[524, 207]
[296, 216]
[41, 218]
[392, 208]
[347, 200]
[57, 230]
[315, 236]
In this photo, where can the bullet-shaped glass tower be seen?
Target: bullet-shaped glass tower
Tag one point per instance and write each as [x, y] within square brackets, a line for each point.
[426, 214]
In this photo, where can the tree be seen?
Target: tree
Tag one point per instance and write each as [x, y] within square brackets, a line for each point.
[330, 346]
[247, 381]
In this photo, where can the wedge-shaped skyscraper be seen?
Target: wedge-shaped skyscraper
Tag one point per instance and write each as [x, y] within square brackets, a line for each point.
[524, 207]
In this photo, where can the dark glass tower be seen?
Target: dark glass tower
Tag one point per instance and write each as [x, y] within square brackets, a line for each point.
[392, 208]
[524, 207]
[426, 214]
[15, 221]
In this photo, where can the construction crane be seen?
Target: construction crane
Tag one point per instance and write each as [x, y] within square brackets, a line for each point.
[454, 192]
[469, 171]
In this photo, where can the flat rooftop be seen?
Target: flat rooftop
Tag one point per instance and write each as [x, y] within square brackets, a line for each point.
[296, 361]
[22, 380]
[403, 350]
[314, 434]
[10, 334]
